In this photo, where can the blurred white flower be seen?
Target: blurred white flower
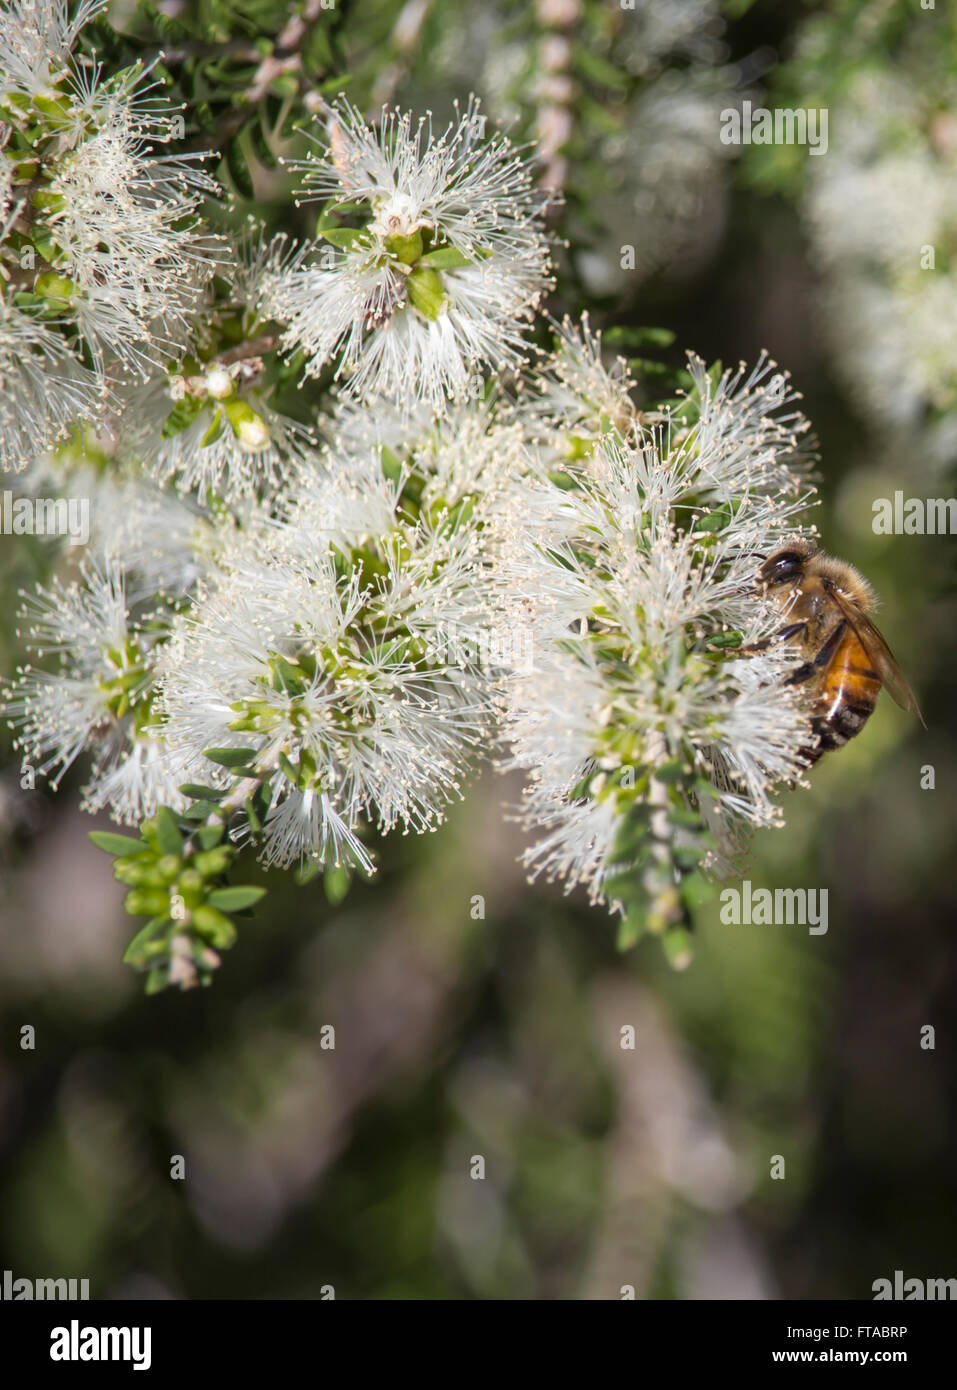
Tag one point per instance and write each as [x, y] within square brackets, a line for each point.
[881, 213]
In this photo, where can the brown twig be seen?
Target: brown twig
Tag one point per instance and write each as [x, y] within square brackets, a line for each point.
[253, 347]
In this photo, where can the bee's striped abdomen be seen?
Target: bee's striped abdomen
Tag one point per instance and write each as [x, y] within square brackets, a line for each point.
[848, 693]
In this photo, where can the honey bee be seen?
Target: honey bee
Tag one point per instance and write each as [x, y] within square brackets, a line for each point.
[846, 660]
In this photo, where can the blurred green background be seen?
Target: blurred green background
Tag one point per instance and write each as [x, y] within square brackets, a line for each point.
[458, 1035]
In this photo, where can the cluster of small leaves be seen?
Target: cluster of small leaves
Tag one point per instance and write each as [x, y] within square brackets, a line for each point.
[176, 872]
[655, 870]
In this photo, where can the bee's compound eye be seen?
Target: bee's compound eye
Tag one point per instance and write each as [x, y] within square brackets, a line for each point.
[784, 567]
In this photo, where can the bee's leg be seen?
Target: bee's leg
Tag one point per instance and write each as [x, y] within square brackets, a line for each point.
[808, 669]
[782, 635]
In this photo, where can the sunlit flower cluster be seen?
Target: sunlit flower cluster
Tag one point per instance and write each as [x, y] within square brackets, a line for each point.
[101, 259]
[435, 283]
[640, 727]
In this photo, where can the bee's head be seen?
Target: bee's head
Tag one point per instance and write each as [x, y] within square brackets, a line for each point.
[786, 566]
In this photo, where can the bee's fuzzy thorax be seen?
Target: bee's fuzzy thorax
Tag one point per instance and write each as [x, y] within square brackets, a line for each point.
[846, 578]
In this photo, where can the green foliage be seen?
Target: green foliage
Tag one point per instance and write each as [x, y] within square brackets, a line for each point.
[176, 873]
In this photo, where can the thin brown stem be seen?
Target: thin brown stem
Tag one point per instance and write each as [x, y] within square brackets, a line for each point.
[253, 347]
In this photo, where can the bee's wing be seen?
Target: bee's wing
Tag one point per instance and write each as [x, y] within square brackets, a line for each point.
[879, 653]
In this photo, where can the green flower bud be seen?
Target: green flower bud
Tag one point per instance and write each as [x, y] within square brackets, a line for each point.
[147, 902]
[249, 428]
[215, 926]
[190, 887]
[136, 874]
[212, 861]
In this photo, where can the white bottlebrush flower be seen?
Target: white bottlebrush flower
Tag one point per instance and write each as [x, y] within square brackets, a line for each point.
[43, 387]
[637, 729]
[575, 398]
[124, 221]
[235, 445]
[879, 210]
[101, 261]
[437, 283]
[323, 674]
[342, 641]
[162, 542]
[207, 423]
[36, 38]
[98, 698]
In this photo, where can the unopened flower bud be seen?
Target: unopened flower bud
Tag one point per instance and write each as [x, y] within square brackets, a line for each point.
[249, 428]
[219, 383]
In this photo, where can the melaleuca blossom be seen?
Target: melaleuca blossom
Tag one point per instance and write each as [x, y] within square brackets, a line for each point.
[207, 423]
[101, 258]
[161, 541]
[339, 645]
[89, 687]
[649, 742]
[444, 264]
[876, 209]
[97, 699]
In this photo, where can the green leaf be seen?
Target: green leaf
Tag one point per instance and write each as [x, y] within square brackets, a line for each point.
[157, 979]
[343, 237]
[209, 836]
[444, 258]
[182, 415]
[119, 845]
[167, 832]
[197, 792]
[678, 947]
[46, 245]
[696, 890]
[199, 811]
[305, 873]
[631, 929]
[623, 336]
[235, 899]
[647, 366]
[337, 881]
[216, 427]
[671, 771]
[592, 65]
[261, 145]
[239, 169]
[230, 757]
[133, 954]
